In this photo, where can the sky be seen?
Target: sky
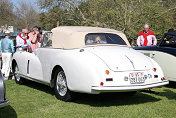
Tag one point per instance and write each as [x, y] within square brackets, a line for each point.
[16, 2]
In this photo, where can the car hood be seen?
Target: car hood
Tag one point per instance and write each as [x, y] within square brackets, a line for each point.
[122, 58]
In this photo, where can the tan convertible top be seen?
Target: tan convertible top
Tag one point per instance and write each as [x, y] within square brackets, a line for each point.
[68, 37]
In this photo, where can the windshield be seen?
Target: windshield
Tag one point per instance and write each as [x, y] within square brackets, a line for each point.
[47, 39]
[169, 41]
[103, 38]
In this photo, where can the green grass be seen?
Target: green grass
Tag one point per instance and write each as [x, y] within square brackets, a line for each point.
[34, 100]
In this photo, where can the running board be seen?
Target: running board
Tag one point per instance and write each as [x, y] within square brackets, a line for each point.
[33, 79]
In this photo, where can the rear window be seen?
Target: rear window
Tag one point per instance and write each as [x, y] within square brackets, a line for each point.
[103, 38]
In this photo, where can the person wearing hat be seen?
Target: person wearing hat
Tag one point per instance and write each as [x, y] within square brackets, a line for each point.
[6, 49]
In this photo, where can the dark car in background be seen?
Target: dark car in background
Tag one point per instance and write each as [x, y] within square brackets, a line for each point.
[164, 54]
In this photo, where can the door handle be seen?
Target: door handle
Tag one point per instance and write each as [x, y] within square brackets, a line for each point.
[28, 67]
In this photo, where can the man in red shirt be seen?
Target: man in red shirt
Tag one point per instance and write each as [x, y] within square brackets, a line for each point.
[146, 37]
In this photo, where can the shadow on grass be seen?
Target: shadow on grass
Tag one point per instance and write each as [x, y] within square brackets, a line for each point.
[39, 86]
[168, 94]
[8, 112]
[115, 99]
[104, 99]
[171, 85]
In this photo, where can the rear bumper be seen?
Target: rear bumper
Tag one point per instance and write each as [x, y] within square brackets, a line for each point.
[127, 88]
[4, 103]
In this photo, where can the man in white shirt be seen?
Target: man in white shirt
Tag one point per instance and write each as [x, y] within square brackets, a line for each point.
[22, 40]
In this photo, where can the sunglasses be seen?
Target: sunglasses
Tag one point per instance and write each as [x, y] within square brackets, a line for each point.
[26, 33]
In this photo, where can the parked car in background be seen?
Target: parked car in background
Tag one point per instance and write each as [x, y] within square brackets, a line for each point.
[164, 54]
[3, 101]
[87, 60]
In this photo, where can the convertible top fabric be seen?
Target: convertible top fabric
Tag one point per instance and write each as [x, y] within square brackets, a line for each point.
[69, 37]
[170, 33]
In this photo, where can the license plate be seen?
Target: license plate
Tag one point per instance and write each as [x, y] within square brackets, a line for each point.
[137, 78]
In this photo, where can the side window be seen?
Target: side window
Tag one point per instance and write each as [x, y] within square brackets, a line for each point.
[47, 40]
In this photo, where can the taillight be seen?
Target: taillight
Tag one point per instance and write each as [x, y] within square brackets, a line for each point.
[163, 79]
[154, 69]
[107, 72]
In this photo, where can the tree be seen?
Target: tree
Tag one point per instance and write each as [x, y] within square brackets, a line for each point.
[49, 20]
[6, 12]
[128, 16]
[62, 11]
[26, 16]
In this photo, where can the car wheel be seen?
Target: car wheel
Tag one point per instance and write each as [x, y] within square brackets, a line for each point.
[18, 79]
[60, 87]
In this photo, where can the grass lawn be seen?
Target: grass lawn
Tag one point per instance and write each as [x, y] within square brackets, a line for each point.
[34, 100]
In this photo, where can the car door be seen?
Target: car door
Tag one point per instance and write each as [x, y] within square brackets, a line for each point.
[22, 59]
[35, 64]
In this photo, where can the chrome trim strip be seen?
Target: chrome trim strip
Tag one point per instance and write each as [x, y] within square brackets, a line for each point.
[33, 79]
[130, 61]
[99, 89]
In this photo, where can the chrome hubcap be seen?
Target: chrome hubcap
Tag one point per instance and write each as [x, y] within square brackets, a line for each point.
[17, 73]
[61, 83]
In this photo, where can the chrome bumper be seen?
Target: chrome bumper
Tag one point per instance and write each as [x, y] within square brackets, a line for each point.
[100, 89]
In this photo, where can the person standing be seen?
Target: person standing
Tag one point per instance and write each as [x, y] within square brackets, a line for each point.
[36, 37]
[7, 48]
[22, 41]
[146, 37]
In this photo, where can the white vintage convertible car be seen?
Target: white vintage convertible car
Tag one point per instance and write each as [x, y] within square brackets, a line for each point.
[87, 60]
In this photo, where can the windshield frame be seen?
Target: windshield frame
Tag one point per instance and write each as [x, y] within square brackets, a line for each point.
[161, 42]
